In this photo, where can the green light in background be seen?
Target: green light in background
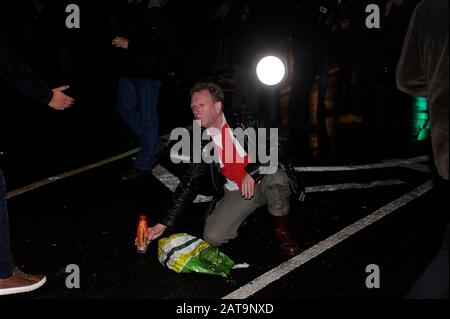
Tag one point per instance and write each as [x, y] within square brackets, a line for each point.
[420, 121]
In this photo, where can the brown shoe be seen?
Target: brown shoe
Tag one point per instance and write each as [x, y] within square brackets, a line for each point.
[289, 246]
[20, 282]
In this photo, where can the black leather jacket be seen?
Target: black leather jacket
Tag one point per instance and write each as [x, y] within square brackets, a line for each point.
[189, 185]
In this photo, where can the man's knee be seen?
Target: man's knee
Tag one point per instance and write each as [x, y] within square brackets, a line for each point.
[277, 192]
[278, 179]
[214, 238]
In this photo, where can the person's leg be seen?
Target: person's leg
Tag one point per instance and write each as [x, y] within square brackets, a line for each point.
[434, 282]
[128, 110]
[230, 212]
[12, 280]
[276, 190]
[148, 92]
[127, 105]
[6, 261]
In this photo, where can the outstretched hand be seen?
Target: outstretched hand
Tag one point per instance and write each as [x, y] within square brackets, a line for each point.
[120, 42]
[155, 231]
[60, 101]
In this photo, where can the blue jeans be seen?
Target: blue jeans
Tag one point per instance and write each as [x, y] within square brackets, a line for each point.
[137, 105]
[6, 262]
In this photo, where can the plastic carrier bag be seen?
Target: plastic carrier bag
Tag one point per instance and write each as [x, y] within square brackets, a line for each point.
[186, 253]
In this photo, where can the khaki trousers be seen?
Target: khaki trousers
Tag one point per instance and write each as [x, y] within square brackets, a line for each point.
[232, 210]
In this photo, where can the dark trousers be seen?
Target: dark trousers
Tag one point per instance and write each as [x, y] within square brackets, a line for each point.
[6, 262]
[433, 283]
[137, 105]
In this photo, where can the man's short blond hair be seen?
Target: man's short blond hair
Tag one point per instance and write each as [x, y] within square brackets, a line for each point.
[213, 89]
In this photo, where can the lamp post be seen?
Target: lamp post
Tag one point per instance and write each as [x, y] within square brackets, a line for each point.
[271, 71]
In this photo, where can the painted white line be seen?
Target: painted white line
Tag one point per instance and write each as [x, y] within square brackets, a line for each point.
[409, 163]
[337, 187]
[59, 177]
[412, 160]
[171, 182]
[165, 177]
[393, 163]
[341, 168]
[418, 167]
[384, 164]
[295, 262]
[203, 199]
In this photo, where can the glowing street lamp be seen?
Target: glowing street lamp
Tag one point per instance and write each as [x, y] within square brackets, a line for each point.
[270, 70]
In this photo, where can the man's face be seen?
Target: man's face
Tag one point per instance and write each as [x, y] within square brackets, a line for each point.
[205, 109]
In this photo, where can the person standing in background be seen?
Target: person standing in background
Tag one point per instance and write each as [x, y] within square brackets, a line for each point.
[423, 71]
[16, 72]
[143, 44]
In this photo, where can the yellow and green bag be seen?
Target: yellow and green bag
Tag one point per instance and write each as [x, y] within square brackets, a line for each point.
[186, 253]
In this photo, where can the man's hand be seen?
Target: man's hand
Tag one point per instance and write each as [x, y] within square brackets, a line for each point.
[248, 186]
[60, 101]
[155, 232]
[120, 42]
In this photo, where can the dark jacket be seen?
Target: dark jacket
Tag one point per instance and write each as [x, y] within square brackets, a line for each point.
[189, 185]
[423, 71]
[149, 39]
[17, 73]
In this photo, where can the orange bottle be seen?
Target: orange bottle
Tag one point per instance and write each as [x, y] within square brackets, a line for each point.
[141, 240]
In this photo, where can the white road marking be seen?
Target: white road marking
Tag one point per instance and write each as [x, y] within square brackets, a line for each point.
[171, 182]
[52, 179]
[59, 177]
[168, 181]
[337, 187]
[165, 177]
[251, 288]
[295, 262]
[418, 167]
[385, 164]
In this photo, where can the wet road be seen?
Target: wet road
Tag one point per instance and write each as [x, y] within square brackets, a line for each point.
[90, 220]
[354, 216]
